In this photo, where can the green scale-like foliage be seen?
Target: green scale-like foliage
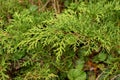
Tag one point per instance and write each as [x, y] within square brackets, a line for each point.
[88, 28]
[43, 46]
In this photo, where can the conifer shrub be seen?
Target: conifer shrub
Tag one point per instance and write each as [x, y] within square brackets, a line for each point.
[80, 43]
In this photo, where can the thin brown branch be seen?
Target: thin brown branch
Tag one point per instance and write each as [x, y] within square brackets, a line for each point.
[56, 6]
[39, 4]
[115, 77]
[44, 5]
[99, 76]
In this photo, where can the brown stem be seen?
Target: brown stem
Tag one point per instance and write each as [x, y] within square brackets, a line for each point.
[39, 4]
[56, 6]
[43, 7]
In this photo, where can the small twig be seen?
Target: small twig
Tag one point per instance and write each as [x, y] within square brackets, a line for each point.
[99, 76]
[54, 6]
[39, 4]
[58, 6]
[44, 5]
[115, 77]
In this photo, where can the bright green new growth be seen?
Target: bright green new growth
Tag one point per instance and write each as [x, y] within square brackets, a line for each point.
[43, 46]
